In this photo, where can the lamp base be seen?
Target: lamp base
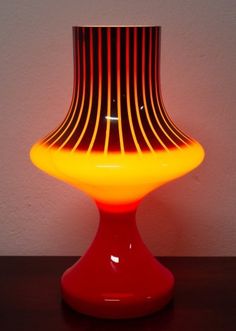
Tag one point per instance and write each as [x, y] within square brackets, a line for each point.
[117, 277]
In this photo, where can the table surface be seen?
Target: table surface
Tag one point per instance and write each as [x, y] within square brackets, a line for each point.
[205, 297]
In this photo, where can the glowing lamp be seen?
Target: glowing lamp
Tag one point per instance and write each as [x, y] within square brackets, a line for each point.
[117, 144]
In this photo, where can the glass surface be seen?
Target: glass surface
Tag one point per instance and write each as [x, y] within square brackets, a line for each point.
[116, 143]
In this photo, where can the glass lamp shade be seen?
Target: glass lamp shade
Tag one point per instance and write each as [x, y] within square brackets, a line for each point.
[117, 144]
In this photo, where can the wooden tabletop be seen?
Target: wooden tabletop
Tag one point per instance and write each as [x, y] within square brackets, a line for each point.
[205, 297]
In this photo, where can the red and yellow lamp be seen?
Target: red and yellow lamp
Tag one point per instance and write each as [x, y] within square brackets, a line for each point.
[117, 144]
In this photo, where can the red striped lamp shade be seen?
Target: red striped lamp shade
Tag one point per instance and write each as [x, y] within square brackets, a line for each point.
[117, 143]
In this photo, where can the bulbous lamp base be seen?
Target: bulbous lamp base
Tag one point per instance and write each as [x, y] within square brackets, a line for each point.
[118, 277]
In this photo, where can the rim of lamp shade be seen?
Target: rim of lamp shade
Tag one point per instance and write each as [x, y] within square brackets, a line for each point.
[116, 26]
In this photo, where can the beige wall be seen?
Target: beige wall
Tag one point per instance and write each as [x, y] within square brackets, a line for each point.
[192, 216]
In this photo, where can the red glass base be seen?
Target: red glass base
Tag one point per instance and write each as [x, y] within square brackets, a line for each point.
[117, 277]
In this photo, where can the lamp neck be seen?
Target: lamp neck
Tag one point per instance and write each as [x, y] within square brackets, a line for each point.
[114, 55]
[116, 105]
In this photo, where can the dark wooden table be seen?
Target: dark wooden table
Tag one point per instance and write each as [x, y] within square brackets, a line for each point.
[205, 297]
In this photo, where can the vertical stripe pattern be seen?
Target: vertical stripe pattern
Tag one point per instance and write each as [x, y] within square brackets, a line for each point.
[116, 104]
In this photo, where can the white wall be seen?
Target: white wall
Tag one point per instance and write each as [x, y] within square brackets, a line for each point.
[192, 216]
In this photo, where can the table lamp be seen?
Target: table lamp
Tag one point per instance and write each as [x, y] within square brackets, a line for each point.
[117, 144]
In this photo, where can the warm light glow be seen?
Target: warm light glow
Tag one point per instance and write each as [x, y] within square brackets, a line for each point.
[116, 178]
